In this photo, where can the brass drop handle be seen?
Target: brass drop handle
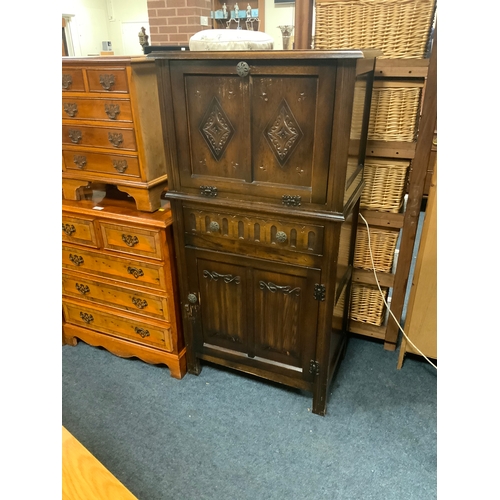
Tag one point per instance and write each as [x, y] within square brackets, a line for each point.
[75, 136]
[107, 81]
[83, 289]
[213, 226]
[115, 139]
[130, 240]
[120, 165]
[69, 229]
[142, 332]
[76, 259]
[242, 68]
[71, 109]
[67, 80]
[86, 317]
[136, 273]
[281, 237]
[112, 110]
[80, 161]
[139, 303]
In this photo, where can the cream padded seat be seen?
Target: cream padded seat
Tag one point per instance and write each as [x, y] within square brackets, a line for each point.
[222, 39]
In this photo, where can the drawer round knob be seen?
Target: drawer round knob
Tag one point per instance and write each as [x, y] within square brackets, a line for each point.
[281, 237]
[192, 298]
[213, 226]
[242, 68]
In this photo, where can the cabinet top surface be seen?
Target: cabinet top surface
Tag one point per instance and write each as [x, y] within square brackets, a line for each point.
[282, 55]
[105, 60]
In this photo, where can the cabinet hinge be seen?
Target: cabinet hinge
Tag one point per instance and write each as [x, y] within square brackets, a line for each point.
[319, 292]
[314, 367]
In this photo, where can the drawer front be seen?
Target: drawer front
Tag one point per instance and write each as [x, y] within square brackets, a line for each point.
[72, 80]
[99, 137]
[127, 299]
[270, 233]
[108, 80]
[113, 267]
[102, 163]
[123, 326]
[79, 230]
[115, 110]
[132, 240]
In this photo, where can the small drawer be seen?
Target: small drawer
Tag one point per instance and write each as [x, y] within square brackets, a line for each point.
[132, 240]
[270, 233]
[125, 326]
[113, 267]
[108, 80]
[72, 80]
[114, 110]
[99, 137]
[79, 230]
[127, 299]
[102, 163]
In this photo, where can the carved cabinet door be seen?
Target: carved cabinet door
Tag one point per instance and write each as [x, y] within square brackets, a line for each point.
[265, 133]
[261, 313]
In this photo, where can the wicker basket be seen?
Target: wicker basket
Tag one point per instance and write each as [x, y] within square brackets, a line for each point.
[399, 28]
[367, 304]
[394, 111]
[385, 182]
[383, 245]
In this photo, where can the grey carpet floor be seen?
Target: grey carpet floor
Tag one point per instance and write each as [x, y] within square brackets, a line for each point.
[224, 435]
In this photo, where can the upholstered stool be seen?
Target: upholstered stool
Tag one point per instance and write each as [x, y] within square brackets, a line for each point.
[222, 39]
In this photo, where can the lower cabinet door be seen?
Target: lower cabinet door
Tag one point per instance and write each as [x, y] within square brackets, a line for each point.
[261, 313]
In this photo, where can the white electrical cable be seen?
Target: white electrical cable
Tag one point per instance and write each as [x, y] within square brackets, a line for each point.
[383, 297]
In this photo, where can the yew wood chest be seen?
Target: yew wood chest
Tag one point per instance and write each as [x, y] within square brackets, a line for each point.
[264, 182]
[111, 128]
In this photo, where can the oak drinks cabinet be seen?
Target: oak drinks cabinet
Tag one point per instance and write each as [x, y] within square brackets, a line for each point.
[264, 184]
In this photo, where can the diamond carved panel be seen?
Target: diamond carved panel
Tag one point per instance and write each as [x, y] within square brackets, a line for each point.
[283, 133]
[216, 129]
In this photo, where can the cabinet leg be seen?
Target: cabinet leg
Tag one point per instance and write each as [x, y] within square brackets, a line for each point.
[194, 366]
[146, 200]
[71, 188]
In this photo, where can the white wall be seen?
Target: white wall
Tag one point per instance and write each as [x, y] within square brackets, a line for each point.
[95, 21]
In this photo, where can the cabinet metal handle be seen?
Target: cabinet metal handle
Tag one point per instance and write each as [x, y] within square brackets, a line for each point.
[76, 259]
[242, 68]
[69, 229]
[71, 109]
[80, 161]
[291, 200]
[107, 81]
[120, 165]
[75, 136]
[227, 278]
[83, 289]
[136, 273]
[277, 288]
[67, 80]
[86, 317]
[213, 226]
[130, 240]
[142, 332]
[112, 110]
[210, 191]
[192, 298]
[139, 303]
[115, 138]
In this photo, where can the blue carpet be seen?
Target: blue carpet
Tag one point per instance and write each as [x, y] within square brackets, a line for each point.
[224, 435]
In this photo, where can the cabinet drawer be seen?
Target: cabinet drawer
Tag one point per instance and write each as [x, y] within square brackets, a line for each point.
[79, 230]
[107, 80]
[115, 110]
[255, 230]
[127, 299]
[103, 137]
[102, 163]
[132, 240]
[109, 266]
[72, 80]
[124, 326]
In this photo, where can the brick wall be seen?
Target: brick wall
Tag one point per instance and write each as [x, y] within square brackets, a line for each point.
[173, 22]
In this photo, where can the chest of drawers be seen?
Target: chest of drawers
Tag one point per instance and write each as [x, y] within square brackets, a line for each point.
[111, 128]
[264, 181]
[119, 281]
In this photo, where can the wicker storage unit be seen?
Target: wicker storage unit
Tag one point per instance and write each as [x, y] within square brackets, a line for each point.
[394, 111]
[367, 304]
[399, 28]
[383, 244]
[385, 181]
